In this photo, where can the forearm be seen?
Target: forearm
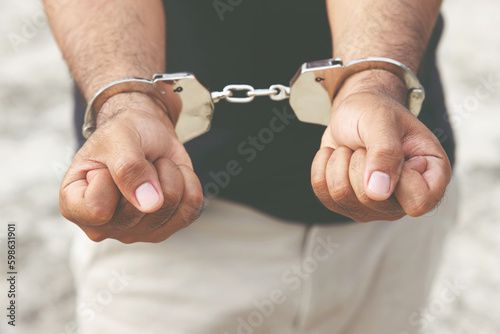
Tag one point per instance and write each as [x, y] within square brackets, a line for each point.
[397, 29]
[106, 40]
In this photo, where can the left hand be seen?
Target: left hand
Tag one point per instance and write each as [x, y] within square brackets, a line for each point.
[377, 161]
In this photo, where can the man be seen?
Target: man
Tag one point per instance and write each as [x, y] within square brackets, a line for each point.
[265, 256]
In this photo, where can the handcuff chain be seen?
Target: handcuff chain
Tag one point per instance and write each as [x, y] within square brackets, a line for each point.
[275, 93]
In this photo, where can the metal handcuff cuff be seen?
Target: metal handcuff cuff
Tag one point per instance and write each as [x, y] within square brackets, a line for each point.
[311, 93]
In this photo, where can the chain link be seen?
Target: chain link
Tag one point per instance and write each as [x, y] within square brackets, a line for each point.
[275, 93]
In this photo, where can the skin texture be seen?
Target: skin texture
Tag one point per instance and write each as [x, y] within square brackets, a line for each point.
[134, 152]
[136, 146]
[371, 132]
[133, 180]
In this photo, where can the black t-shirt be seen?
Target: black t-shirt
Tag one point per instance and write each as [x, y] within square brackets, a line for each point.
[259, 154]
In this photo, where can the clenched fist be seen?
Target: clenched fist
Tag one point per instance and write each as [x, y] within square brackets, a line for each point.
[377, 161]
[132, 180]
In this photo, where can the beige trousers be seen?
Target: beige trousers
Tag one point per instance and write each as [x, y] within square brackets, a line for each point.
[238, 271]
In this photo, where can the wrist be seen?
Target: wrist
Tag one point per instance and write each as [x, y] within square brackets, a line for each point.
[374, 82]
[119, 103]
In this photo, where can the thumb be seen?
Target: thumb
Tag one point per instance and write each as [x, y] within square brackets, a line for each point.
[384, 160]
[137, 180]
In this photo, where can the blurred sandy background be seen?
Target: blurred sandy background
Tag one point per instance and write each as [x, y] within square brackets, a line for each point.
[36, 146]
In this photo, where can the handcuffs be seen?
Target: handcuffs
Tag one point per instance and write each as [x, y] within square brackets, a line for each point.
[311, 93]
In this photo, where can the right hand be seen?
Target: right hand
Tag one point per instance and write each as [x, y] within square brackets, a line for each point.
[132, 180]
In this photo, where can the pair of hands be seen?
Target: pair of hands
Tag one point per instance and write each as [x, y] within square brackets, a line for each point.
[133, 180]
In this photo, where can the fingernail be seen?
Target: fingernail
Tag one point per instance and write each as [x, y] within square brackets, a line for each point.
[146, 196]
[379, 183]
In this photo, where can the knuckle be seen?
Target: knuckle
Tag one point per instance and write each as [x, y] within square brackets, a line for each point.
[194, 202]
[122, 222]
[188, 211]
[185, 220]
[419, 206]
[356, 214]
[188, 216]
[394, 211]
[98, 215]
[165, 213]
[128, 239]
[160, 218]
[196, 210]
[125, 216]
[389, 152]
[188, 220]
[96, 236]
[132, 237]
[88, 215]
[350, 210]
[172, 194]
[128, 169]
[341, 192]
[318, 183]
[156, 240]
[364, 199]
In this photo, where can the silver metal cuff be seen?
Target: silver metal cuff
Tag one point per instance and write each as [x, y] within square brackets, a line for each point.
[311, 93]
